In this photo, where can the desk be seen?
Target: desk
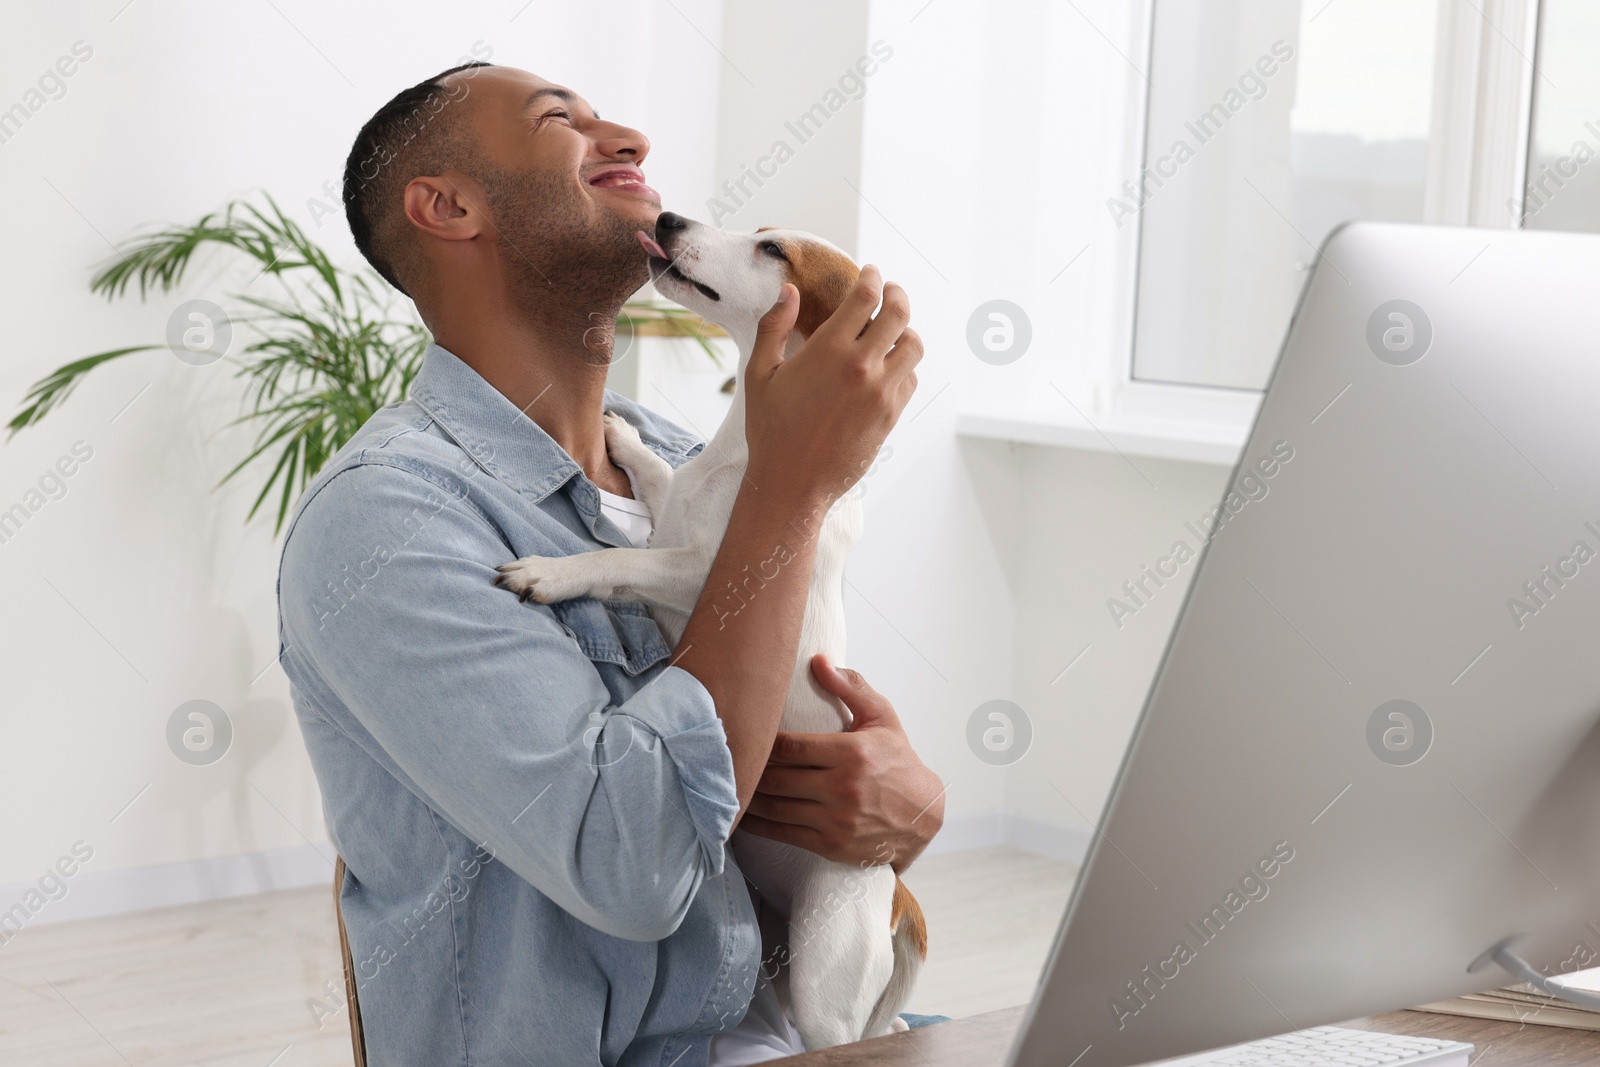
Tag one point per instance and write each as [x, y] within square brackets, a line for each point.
[982, 1041]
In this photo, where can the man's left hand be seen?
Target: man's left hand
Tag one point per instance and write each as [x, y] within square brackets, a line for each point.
[861, 796]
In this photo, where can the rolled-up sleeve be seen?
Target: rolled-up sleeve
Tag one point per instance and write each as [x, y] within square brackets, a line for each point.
[488, 710]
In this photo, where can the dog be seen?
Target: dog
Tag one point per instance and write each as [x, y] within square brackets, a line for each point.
[856, 936]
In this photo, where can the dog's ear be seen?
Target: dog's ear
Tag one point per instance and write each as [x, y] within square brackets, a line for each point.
[824, 275]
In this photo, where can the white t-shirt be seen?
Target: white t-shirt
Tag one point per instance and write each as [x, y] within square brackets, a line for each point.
[765, 1033]
[631, 517]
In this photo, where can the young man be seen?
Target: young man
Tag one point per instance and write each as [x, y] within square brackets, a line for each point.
[534, 802]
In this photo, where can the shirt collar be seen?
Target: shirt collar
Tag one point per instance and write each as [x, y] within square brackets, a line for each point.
[509, 445]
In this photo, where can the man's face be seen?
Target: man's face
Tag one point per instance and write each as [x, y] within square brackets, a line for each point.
[564, 187]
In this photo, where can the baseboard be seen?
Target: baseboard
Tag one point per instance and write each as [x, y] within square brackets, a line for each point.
[90, 893]
[963, 833]
[1069, 843]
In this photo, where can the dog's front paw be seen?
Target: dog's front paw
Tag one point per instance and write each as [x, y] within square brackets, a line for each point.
[621, 436]
[545, 579]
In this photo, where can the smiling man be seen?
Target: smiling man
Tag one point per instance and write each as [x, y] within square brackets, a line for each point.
[534, 802]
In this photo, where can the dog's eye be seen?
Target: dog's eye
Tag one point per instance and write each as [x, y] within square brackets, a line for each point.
[773, 249]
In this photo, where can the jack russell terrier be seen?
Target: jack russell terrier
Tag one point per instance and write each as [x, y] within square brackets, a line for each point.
[856, 935]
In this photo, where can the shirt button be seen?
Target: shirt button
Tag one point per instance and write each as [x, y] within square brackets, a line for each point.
[569, 631]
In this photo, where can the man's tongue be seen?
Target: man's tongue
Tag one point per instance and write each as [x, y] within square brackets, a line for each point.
[650, 245]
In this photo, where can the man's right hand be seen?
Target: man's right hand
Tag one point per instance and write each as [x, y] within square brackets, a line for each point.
[815, 421]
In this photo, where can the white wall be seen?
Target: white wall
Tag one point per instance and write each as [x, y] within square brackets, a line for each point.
[992, 141]
[780, 162]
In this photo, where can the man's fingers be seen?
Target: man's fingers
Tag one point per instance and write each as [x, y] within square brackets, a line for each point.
[845, 684]
[908, 387]
[801, 783]
[906, 353]
[788, 833]
[804, 750]
[890, 322]
[772, 332]
[867, 705]
[786, 810]
[855, 310]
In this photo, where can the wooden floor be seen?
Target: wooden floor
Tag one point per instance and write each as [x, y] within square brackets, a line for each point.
[992, 915]
[227, 984]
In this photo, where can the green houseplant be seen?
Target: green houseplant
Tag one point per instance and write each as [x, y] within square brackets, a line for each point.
[324, 353]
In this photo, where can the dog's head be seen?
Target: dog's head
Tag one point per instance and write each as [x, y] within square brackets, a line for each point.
[732, 279]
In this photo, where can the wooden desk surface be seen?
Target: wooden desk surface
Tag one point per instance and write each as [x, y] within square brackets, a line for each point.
[982, 1041]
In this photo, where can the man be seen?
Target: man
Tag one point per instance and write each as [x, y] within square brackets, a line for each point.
[534, 801]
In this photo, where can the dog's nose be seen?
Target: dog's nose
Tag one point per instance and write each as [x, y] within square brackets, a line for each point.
[669, 223]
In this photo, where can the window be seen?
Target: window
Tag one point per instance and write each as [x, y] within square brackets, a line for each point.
[1268, 123]
[1562, 191]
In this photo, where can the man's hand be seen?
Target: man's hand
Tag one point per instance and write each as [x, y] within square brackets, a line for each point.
[861, 796]
[815, 421]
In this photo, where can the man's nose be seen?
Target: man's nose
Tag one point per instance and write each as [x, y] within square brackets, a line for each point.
[624, 143]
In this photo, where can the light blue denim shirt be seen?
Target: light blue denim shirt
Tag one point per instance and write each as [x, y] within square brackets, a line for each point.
[448, 722]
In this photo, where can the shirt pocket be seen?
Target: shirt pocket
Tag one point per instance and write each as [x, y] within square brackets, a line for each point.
[614, 631]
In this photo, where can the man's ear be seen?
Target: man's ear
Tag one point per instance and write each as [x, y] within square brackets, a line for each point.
[446, 206]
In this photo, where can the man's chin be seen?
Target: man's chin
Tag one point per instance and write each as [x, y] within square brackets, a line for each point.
[638, 272]
[634, 212]
[619, 250]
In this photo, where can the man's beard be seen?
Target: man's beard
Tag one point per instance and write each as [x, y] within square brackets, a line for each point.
[571, 267]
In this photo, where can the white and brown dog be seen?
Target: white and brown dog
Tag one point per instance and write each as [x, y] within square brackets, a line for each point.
[856, 935]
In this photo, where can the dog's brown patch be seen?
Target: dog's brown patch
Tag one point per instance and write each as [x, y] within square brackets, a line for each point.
[906, 909]
[823, 275]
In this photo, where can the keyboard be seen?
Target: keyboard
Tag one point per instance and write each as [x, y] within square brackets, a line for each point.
[1334, 1046]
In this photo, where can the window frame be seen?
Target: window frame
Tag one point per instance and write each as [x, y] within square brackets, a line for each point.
[1477, 164]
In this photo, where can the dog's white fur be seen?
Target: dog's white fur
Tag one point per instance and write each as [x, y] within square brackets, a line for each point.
[848, 972]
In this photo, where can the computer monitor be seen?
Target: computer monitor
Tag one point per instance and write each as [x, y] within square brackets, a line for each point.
[1371, 752]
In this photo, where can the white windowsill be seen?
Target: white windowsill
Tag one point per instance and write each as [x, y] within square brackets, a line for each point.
[1215, 443]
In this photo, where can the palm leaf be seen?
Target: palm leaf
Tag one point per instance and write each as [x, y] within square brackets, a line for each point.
[673, 321]
[48, 392]
[325, 353]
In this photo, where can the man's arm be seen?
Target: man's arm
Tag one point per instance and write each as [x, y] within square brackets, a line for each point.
[813, 424]
[491, 713]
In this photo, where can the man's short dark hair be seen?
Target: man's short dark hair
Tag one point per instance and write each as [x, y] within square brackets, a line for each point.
[408, 137]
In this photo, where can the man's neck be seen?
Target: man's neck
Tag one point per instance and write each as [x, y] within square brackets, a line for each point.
[554, 372]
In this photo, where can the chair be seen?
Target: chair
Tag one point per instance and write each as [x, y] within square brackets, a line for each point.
[357, 1041]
